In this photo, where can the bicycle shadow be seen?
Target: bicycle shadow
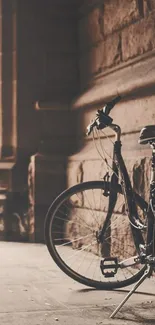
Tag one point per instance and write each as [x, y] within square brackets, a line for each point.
[137, 313]
[85, 290]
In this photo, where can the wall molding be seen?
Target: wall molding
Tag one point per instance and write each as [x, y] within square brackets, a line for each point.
[51, 106]
[135, 78]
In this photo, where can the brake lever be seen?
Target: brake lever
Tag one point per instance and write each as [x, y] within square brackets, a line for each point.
[90, 127]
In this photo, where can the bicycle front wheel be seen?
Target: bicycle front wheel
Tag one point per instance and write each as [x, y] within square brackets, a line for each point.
[71, 227]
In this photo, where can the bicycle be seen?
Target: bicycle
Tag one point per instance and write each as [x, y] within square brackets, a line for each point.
[106, 245]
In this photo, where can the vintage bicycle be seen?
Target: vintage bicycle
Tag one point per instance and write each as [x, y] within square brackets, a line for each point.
[102, 233]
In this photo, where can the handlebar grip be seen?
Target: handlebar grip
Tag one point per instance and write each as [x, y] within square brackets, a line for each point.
[111, 104]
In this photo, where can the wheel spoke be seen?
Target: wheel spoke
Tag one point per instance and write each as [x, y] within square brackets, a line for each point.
[81, 250]
[73, 229]
[73, 240]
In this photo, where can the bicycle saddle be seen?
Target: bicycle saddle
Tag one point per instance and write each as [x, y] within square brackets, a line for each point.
[147, 134]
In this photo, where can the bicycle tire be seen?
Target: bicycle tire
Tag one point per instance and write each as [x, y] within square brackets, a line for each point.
[51, 222]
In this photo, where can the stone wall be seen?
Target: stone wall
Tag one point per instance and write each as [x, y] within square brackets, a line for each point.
[111, 32]
[53, 53]
[46, 70]
[49, 82]
[39, 78]
[116, 55]
[8, 52]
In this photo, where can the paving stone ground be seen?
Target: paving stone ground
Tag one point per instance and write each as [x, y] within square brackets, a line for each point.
[33, 291]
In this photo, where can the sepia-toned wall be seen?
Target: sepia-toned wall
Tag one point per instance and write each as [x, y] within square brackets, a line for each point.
[39, 77]
[116, 56]
[59, 63]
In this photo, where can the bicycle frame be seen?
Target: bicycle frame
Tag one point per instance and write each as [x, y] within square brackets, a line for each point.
[151, 212]
[119, 167]
[149, 257]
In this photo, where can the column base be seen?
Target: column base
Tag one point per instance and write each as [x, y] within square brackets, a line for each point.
[46, 179]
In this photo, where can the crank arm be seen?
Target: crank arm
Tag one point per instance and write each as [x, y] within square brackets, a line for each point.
[129, 262]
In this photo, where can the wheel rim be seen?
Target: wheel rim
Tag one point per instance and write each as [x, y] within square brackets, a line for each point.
[72, 236]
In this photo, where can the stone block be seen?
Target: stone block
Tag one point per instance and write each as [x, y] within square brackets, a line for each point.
[46, 179]
[112, 51]
[90, 29]
[93, 170]
[81, 224]
[138, 38]
[141, 176]
[74, 173]
[90, 63]
[118, 13]
[105, 54]
[50, 179]
[95, 59]
[121, 238]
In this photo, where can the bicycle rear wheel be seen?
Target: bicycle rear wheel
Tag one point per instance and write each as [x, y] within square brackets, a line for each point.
[71, 227]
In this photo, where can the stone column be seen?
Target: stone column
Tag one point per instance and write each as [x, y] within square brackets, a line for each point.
[47, 169]
[8, 78]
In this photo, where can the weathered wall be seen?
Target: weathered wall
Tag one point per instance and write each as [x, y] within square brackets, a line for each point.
[116, 55]
[48, 80]
[46, 69]
[112, 32]
[38, 65]
[45, 51]
[8, 51]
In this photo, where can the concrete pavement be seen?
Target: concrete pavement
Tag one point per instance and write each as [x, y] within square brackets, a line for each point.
[34, 291]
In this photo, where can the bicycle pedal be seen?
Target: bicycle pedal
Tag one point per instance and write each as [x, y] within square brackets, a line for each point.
[109, 266]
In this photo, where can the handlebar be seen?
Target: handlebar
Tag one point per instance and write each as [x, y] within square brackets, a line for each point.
[102, 119]
[108, 107]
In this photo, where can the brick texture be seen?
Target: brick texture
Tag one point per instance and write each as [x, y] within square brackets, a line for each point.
[138, 38]
[112, 51]
[118, 13]
[104, 55]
